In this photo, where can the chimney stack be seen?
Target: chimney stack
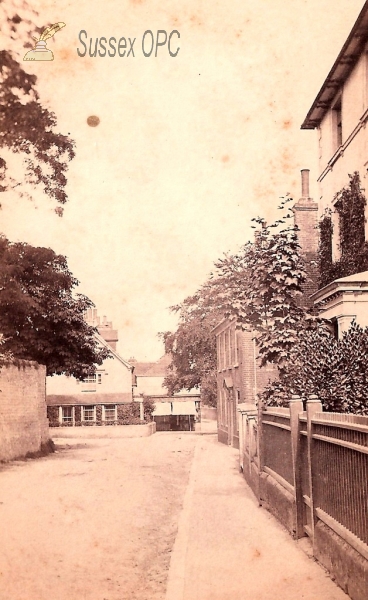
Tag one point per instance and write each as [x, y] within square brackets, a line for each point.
[305, 183]
[305, 217]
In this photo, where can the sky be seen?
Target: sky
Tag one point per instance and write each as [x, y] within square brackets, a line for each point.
[188, 148]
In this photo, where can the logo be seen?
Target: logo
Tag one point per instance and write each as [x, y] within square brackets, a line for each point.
[40, 51]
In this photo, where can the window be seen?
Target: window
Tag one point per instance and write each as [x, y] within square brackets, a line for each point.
[110, 412]
[90, 378]
[91, 381]
[233, 346]
[88, 413]
[337, 124]
[67, 414]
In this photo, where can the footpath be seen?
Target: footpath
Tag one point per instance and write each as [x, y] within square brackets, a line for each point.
[229, 548]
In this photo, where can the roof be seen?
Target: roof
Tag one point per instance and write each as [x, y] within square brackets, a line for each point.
[358, 281]
[140, 368]
[343, 65]
[356, 278]
[174, 408]
[153, 369]
[87, 399]
[113, 352]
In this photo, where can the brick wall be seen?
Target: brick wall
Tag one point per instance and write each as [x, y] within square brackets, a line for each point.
[23, 423]
[305, 217]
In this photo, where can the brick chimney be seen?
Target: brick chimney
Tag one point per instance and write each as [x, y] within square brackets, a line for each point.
[107, 332]
[305, 217]
[105, 328]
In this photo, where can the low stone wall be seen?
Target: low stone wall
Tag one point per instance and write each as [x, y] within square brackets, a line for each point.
[251, 474]
[209, 412]
[348, 566]
[24, 428]
[279, 501]
[118, 431]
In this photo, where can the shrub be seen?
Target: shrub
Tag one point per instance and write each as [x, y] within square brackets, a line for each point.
[335, 370]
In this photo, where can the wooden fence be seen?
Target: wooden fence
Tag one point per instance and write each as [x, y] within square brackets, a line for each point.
[310, 469]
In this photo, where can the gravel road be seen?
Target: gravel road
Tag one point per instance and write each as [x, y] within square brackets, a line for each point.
[95, 521]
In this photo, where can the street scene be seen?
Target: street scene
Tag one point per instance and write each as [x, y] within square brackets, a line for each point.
[158, 517]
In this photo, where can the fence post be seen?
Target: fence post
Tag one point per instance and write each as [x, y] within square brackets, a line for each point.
[241, 440]
[261, 408]
[296, 407]
[141, 410]
[313, 406]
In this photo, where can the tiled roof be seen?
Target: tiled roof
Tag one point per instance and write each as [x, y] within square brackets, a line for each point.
[87, 398]
[159, 368]
[140, 368]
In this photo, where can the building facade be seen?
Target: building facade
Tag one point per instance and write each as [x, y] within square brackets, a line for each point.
[340, 114]
[102, 398]
[178, 412]
[240, 378]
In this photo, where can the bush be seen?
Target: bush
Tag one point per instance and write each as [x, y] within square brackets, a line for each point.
[148, 408]
[335, 370]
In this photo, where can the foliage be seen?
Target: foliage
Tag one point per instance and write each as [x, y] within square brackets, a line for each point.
[325, 250]
[335, 370]
[261, 287]
[128, 414]
[193, 346]
[350, 205]
[40, 319]
[28, 128]
[148, 408]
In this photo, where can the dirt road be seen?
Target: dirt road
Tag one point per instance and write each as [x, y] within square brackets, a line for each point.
[164, 517]
[96, 521]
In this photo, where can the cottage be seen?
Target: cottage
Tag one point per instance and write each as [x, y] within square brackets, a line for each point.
[103, 397]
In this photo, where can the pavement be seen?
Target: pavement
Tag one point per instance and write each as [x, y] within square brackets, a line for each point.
[229, 548]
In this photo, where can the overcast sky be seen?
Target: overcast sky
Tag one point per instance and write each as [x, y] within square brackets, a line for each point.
[188, 149]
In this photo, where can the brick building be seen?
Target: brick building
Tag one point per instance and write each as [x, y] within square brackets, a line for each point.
[240, 378]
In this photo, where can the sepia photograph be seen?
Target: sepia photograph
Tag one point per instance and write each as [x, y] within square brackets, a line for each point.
[183, 300]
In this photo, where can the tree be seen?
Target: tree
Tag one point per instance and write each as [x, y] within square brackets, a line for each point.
[259, 287]
[27, 128]
[193, 346]
[40, 318]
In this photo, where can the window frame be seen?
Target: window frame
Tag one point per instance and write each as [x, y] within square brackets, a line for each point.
[89, 408]
[66, 420]
[109, 407]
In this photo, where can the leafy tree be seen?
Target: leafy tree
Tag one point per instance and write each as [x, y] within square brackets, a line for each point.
[335, 370]
[193, 346]
[260, 287]
[27, 128]
[40, 318]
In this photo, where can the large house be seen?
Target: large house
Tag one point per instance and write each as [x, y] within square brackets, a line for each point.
[239, 377]
[340, 114]
[102, 397]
